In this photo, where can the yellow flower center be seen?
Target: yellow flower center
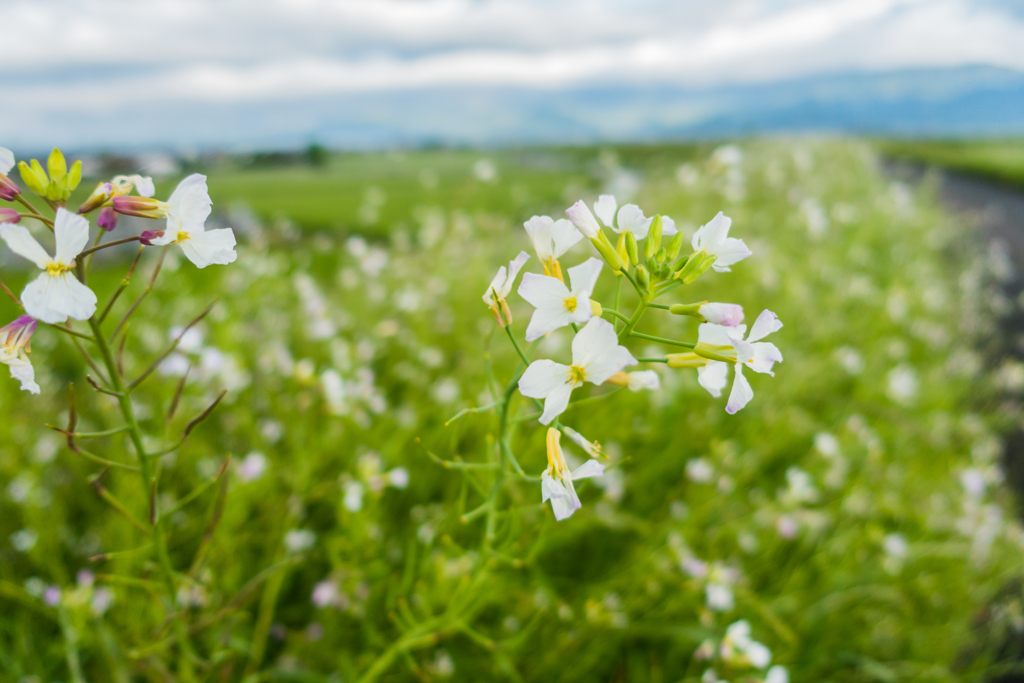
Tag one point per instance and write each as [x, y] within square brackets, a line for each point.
[182, 236]
[576, 374]
[53, 269]
[570, 304]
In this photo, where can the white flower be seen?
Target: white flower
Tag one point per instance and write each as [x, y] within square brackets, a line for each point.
[777, 674]
[57, 294]
[584, 221]
[501, 286]
[14, 350]
[6, 160]
[729, 315]
[758, 356]
[325, 594]
[719, 597]
[596, 356]
[556, 482]
[630, 218]
[187, 210]
[739, 647]
[551, 239]
[713, 239]
[556, 305]
[637, 381]
[591, 448]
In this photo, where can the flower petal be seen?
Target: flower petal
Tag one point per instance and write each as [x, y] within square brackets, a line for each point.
[583, 277]
[729, 252]
[668, 227]
[497, 284]
[645, 379]
[23, 371]
[542, 377]
[547, 319]
[584, 221]
[713, 377]
[539, 228]
[52, 299]
[710, 333]
[596, 349]
[209, 248]
[604, 207]
[22, 243]
[564, 235]
[71, 232]
[590, 468]
[564, 506]
[765, 324]
[712, 233]
[766, 354]
[544, 291]
[6, 160]
[631, 218]
[143, 185]
[741, 392]
[514, 266]
[556, 402]
[551, 488]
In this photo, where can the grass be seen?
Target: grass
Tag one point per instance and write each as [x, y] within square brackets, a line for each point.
[351, 330]
[1000, 160]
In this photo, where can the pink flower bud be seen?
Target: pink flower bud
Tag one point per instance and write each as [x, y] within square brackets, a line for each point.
[107, 219]
[8, 190]
[9, 216]
[729, 315]
[16, 336]
[148, 236]
[101, 195]
[144, 207]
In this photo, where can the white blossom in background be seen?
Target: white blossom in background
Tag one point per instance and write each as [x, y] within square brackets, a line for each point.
[252, 467]
[299, 540]
[56, 294]
[501, 286]
[596, 356]
[556, 305]
[325, 594]
[712, 239]
[557, 481]
[757, 355]
[14, 350]
[902, 384]
[551, 239]
[739, 648]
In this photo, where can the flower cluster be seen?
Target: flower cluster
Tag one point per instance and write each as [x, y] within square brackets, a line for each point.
[646, 254]
[60, 292]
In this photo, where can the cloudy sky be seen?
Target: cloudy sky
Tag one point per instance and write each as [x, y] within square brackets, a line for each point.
[104, 72]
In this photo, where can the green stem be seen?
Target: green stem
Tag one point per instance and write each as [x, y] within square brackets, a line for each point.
[618, 293]
[35, 213]
[664, 307]
[147, 463]
[512, 337]
[653, 360]
[668, 288]
[617, 315]
[632, 281]
[70, 646]
[662, 340]
[635, 318]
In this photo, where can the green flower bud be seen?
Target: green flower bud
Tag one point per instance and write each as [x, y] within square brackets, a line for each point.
[726, 354]
[607, 251]
[654, 234]
[696, 266]
[75, 175]
[692, 310]
[661, 256]
[35, 180]
[631, 248]
[54, 191]
[643, 278]
[58, 167]
[674, 245]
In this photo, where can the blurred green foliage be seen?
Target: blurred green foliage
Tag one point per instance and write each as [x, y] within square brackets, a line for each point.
[1001, 160]
[852, 511]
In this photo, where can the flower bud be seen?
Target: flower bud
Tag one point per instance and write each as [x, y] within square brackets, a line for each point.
[685, 360]
[674, 245]
[654, 236]
[101, 195]
[698, 264]
[17, 335]
[729, 315]
[631, 248]
[661, 256]
[607, 252]
[9, 216]
[724, 353]
[58, 167]
[34, 176]
[145, 207]
[595, 309]
[8, 189]
[643, 278]
[148, 236]
[107, 219]
[692, 310]
[75, 175]
[584, 221]
[621, 249]
[55, 191]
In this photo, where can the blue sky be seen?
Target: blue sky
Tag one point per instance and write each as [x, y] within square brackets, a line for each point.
[185, 72]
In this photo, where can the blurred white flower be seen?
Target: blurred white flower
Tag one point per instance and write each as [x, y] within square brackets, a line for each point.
[102, 599]
[24, 540]
[56, 294]
[353, 496]
[325, 594]
[596, 356]
[699, 470]
[551, 239]
[777, 674]
[252, 466]
[501, 286]
[398, 478]
[902, 384]
[556, 305]
[485, 170]
[755, 354]
[298, 540]
[739, 648]
[895, 546]
[719, 597]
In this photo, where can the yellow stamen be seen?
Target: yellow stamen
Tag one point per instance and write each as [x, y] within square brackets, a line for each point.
[570, 304]
[552, 268]
[577, 374]
[182, 236]
[53, 269]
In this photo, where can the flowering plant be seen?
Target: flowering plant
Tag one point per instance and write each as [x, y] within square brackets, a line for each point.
[61, 296]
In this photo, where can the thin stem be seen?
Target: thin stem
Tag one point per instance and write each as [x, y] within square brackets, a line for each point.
[173, 346]
[89, 435]
[653, 360]
[664, 307]
[635, 318]
[35, 214]
[512, 337]
[662, 340]
[668, 288]
[124, 285]
[632, 281]
[615, 314]
[95, 243]
[473, 411]
[100, 247]
[11, 294]
[68, 330]
[618, 293]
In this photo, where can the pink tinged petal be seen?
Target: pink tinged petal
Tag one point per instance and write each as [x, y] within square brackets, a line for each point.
[604, 207]
[584, 221]
[645, 379]
[765, 324]
[556, 403]
[23, 371]
[710, 333]
[765, 355]
[729, 252]
[216, 247]
[539, 230]
[564, 236]
[713, 377]
[21, 242]
[143, 185]
[590, 468]
[631, 218]
[551, 488]
[583, 278]
[741, 392]
[6, 160]
[668, 227]
[729, 315]
[71, 232]
[712, 233]
[149, 237]
[107, 219]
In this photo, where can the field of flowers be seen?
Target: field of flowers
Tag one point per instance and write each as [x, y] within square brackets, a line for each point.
[849, 524]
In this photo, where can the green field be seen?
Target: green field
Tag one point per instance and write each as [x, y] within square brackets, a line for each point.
[1000, 160]
[852, 513]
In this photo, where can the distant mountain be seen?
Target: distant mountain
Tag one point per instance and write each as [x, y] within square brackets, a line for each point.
[963, 101]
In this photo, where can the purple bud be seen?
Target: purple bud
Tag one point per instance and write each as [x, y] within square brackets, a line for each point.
[18, 334]
[9, 216]
[8, 190]
[144, 207]
[51, 596]
[107, 219]
[148, 236]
